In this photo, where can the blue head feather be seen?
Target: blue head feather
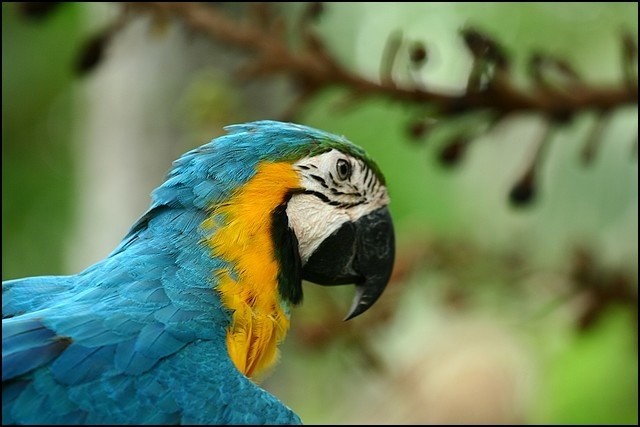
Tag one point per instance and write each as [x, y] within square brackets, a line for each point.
[209, 173]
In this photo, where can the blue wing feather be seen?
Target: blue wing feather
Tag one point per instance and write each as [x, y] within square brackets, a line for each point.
[80, 364]
[130, 361]
[26, 345]
[21, 296]
[155, 342]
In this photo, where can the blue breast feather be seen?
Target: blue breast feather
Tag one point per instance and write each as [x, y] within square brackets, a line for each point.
[139, 337]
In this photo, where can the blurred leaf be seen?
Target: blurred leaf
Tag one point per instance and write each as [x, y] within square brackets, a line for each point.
[92, 53]
[595, 379]
[37, 11]
[37, 167]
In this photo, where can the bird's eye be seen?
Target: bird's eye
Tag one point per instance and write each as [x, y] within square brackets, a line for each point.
[343, 168]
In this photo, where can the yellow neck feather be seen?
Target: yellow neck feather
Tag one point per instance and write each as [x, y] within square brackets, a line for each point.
[244, 239]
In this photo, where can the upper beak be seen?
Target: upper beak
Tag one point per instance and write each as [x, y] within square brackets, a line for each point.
[360, 252]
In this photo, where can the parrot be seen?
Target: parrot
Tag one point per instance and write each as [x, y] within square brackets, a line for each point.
[178, 321]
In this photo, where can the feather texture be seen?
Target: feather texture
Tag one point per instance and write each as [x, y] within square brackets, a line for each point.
[242, 235]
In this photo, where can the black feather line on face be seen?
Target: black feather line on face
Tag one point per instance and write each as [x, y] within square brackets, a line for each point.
[333, 180]
[367, 178]
[320, 180]
[341, 193]
[330, 202]
[318, 194]
[287, 255]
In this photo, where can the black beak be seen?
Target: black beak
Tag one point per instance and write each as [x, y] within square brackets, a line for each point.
[360, 252]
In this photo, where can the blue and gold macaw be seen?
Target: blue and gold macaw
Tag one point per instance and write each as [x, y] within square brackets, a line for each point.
[171, 326]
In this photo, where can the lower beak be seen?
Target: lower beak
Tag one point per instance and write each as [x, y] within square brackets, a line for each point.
[360, 252]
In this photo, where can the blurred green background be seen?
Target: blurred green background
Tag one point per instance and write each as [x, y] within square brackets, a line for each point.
[488, 318]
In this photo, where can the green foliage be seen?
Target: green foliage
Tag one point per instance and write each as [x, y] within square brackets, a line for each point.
[594, 379]
[37, 160]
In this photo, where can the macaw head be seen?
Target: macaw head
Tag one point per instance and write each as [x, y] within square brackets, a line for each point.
[340, 219]
[283, 203]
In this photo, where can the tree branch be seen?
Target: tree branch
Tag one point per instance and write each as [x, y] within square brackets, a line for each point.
[315, 68]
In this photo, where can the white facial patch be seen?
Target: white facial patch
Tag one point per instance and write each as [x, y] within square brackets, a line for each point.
[331, 197]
